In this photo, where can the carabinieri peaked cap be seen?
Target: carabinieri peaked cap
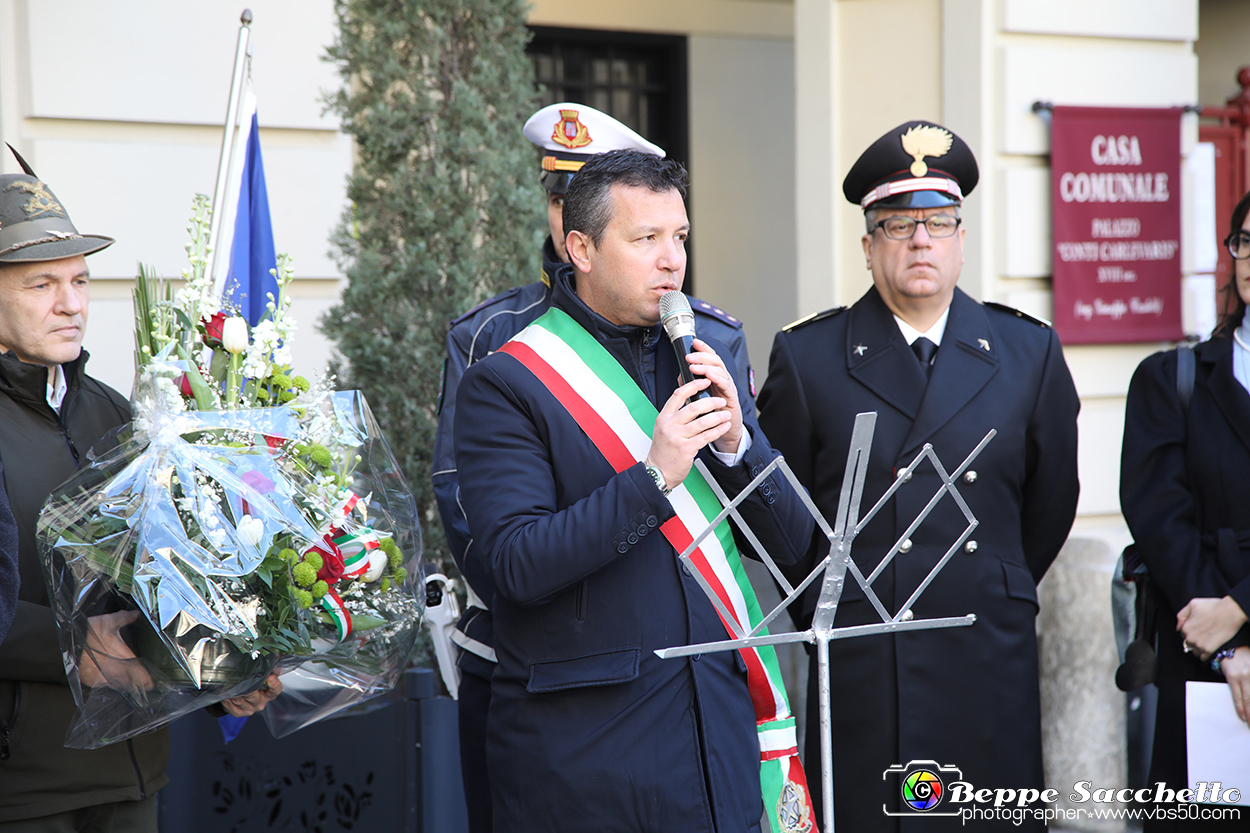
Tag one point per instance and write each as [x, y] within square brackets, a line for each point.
[34, 226]
[916, 165]
[569, 134]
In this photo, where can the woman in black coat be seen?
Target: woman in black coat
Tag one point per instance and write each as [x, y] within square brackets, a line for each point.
[1183, 476]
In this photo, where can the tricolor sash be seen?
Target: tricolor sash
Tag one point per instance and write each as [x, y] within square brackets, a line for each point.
[618, 418]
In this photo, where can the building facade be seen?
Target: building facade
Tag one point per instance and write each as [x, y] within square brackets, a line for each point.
[119, 106]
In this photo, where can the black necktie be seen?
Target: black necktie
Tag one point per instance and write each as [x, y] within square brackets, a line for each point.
[925, 350]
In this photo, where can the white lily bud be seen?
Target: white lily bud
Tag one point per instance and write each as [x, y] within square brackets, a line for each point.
[377, 565]
[251, 529]
[234, 334]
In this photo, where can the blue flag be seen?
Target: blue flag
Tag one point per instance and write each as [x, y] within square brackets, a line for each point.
[230, 726]
[252, 254]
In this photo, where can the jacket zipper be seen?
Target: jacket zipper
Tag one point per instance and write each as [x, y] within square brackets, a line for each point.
[62, 420]
[6, 727]
[134, 761]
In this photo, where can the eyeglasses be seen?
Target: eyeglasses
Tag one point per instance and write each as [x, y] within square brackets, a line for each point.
[902, 228]
[1238, 244]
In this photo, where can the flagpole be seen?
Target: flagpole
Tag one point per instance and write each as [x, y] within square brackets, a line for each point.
[228, 143]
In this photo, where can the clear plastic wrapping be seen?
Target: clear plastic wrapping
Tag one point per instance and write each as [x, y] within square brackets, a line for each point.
[210, 548]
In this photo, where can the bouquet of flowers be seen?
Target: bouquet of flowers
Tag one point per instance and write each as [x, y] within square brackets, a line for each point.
[246, 521]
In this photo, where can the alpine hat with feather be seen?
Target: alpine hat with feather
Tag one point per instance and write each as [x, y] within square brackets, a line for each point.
[34, 225]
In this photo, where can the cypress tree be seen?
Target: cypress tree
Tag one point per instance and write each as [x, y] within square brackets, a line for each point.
[444, 205]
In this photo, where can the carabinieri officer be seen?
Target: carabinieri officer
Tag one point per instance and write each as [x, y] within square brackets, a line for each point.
[937, 367]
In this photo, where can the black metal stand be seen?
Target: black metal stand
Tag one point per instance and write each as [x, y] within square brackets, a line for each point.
[393, 767]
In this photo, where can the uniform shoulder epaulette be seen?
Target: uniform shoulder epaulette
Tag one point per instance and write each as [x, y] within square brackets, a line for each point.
[815, 316]
[1041, 322]
[494, 299]
[714, 311]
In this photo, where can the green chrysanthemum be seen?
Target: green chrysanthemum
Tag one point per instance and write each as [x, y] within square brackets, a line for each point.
[393, 554]
[305, 574]
[319, 454]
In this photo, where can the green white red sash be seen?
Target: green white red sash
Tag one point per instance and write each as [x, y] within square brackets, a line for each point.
[618, 418]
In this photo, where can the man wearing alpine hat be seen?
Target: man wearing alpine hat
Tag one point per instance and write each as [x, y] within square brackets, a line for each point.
[937, 367]
[568, 135]
[51, 414]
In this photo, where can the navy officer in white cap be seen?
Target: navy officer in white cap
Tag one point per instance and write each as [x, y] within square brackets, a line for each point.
[568, 135]
[937, 367]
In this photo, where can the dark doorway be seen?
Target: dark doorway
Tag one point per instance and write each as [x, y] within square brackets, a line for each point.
[637, 79]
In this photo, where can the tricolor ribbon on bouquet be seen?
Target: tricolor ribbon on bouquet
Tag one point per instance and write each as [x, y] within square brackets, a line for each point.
[333, 604]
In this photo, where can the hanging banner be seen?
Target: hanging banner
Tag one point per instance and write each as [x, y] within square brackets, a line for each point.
[1116, 206]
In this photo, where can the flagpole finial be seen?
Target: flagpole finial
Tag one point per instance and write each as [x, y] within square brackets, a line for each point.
[246, 17]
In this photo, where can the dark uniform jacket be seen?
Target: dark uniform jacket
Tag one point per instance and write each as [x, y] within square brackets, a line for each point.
[1182, 479]
[40, 450]
[9, 581]
[965, 696]
[589, 729]
[475, 335]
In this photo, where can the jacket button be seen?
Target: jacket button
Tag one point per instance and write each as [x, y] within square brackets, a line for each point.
[633, 538]
[970, 476]
[652, 521]
[970, 547]
[905, 547]
[643, 529]
[684, 568]
[903, 475]
[908, 615]
[622, 547]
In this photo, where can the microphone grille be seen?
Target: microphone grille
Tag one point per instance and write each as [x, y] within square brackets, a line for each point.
[673, 301]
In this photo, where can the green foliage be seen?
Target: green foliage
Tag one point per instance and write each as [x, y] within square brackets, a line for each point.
[445, 207]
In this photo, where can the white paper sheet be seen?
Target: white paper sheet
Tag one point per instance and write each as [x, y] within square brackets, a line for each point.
[1219, 743]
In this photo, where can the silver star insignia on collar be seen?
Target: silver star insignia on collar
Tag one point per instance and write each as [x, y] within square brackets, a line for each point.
[984, 344]
[860, 349]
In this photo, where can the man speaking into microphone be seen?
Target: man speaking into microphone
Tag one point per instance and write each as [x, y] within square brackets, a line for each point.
[575, 445]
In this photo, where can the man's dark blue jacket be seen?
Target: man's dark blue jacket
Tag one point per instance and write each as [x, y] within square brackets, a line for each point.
[588, 729]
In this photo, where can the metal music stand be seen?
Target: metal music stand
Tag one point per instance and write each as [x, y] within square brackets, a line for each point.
[834, 568]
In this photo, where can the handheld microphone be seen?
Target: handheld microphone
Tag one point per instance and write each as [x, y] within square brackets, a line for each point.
[678, 321]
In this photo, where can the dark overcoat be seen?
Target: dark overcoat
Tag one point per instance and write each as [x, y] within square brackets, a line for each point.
[1182, 490]
[588, 729]
[965, 697]
[39, 775]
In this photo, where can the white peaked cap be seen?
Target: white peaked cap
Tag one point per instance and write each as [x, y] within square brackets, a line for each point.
[569, 134]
